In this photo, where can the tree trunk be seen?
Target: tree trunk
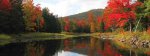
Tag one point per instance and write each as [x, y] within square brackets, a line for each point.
[137, 24]
[130, 27]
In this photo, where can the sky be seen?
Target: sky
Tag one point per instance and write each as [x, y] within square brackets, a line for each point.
[69, 7]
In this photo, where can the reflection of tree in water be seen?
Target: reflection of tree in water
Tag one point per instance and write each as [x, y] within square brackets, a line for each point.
[67, 44]
[45, 48]
[12, 49]
[34, 49]
[92, 47]
[109, 50]
[76, 45]
[101, 48]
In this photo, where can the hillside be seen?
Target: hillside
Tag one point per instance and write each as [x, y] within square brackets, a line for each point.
[84, 15]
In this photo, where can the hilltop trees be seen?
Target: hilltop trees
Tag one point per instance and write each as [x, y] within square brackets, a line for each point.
[75, 25]
[51, 22]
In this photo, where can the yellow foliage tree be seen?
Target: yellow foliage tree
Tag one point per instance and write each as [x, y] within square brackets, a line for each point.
[91, 22]
[32, 16]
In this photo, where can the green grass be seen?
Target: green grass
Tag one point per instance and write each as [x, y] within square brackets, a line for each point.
[50, 35]
[4, 39]
[128, 35]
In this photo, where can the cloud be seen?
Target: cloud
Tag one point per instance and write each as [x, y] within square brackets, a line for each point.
[70, 7]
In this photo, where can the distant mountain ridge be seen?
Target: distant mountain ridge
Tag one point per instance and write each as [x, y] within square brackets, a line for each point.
[84, 15]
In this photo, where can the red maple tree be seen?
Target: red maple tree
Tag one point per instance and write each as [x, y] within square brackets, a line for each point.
[119, 12]
[42, 22]
[67, 24]
[81, 23]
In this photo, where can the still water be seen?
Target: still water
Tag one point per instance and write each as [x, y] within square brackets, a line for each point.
[78, 46]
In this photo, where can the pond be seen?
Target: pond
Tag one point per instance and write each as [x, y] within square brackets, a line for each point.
[77, 46]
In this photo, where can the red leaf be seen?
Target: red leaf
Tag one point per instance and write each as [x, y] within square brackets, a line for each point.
[5, 5]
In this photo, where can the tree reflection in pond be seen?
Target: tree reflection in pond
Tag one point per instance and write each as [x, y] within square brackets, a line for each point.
[35, 48]
[100, 47]
[77, 46]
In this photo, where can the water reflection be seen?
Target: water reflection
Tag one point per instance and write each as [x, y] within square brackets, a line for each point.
[36, 48]
[78, 46]
[68, 53]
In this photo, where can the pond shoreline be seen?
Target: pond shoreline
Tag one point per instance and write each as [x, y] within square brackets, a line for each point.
[133, 39]
[8, 38]
[132, 42]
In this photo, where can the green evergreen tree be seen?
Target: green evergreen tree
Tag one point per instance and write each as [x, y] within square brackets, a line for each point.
[12, 21]
[51, 22]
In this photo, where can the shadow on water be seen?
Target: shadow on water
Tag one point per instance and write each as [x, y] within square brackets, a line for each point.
[35, 48]
[78, 46]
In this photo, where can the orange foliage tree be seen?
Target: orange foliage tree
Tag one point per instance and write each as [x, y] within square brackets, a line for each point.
[91, 22]
[32, 16]
[38, 17]
[29, 17]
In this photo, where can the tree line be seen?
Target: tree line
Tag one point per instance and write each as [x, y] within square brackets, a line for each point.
[118, 14]
[18, 17]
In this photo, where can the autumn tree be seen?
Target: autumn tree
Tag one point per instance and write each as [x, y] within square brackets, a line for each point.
[67, 24]
[39, 18]
[32, 16]
[81, 26]
[73, 25]
[6, 5]
[78, 25]
[29, 17]
[118, 13]
[100, 24]
[91, 22]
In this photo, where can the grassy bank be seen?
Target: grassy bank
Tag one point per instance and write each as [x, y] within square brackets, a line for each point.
[25, 37]
[48, 36]
[128, 35]
[4, 39]
[127, 40]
